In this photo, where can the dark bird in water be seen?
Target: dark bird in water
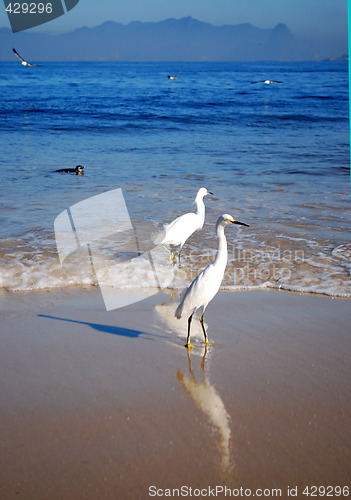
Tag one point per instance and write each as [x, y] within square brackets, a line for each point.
[267, 82]
[79, 170]
[172, 77]
[24, 63]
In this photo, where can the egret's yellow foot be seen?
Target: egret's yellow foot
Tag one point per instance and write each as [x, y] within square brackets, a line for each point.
[189, 346]
[208, 342]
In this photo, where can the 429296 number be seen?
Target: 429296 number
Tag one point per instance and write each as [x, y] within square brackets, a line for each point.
[29, 8]
[326, 491]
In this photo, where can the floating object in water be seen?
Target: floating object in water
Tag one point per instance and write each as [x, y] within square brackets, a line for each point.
[79, 170]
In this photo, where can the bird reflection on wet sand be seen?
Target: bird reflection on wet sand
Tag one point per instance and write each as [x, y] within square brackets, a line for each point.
[207, 399]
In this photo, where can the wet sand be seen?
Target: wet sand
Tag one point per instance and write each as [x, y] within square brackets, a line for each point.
[103, 405]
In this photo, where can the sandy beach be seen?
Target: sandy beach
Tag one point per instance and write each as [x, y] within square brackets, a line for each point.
[105, 405]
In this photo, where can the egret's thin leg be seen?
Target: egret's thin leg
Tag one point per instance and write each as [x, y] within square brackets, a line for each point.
[188, 345]
[170, 251]
[179, 256]
[203, 328]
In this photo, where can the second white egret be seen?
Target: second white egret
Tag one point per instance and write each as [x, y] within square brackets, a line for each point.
[205, 286]
[177, 232]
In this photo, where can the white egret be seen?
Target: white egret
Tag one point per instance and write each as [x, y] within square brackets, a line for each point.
[177, 232]
[205, 286]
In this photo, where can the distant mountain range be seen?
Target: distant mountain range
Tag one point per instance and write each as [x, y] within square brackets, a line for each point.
[185, 39]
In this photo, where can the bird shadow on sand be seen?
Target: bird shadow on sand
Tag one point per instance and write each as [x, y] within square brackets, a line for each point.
[110, 329]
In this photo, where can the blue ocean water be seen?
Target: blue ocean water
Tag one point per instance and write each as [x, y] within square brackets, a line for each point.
[275, 156]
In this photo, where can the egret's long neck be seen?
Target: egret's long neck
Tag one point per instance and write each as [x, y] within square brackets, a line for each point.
[200, 209]
[222, 253]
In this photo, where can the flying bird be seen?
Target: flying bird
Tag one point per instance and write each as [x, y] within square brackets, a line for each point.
[24, 63]
[206, 284]
[177, 232]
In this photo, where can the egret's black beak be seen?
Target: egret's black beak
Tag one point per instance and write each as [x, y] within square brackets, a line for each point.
[209, 192]
[240, 223]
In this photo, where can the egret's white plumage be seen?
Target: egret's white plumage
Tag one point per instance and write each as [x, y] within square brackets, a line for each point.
[177, 232]
[205, 286]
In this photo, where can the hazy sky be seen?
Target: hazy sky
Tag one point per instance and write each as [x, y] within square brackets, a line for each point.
[321, 18]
